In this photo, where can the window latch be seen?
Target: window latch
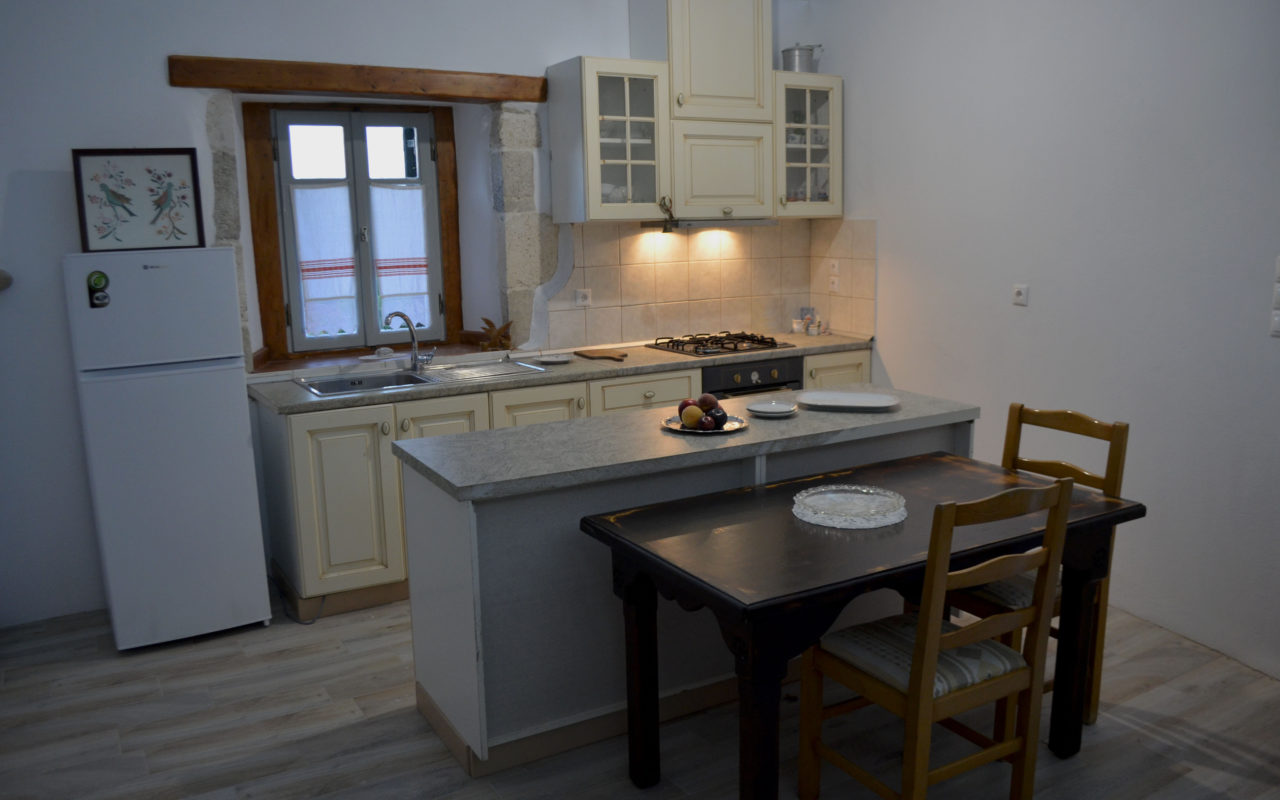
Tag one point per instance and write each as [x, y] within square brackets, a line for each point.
[440, 303]
[364, 233]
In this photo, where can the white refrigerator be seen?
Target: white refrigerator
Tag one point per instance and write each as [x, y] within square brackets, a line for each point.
[165, 411]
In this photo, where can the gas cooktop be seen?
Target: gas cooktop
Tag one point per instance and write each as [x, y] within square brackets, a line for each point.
[712, 344]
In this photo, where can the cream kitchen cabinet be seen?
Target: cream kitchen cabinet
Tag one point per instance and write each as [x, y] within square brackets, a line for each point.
[332, 494]
[418, 419]
[723, 170]
[334, 500]
[831, 370]
[808, 150]
[721, 58]
[643, 391]
[610, 139]
[511, 408]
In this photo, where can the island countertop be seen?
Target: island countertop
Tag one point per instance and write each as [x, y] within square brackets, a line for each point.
[554, 455]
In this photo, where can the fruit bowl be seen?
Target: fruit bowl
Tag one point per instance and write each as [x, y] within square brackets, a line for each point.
[732, 425]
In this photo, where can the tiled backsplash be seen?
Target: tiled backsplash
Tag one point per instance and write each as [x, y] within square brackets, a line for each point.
[645, 283]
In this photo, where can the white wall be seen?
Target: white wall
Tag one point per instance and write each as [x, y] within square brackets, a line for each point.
[79, 73]
[1123, 158]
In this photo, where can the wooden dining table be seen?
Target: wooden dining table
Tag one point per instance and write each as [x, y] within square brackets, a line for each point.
[776, 583]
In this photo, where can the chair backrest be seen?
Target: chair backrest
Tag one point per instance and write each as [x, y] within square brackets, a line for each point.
[939, 579]
[1116, 434]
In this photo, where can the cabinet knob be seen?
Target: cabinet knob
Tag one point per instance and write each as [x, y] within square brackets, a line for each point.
[404, 425]
[727, 211]
[386, 429]
[782, 199]
[813, 373]
[582, 402]
[649, 395]
[680, 99]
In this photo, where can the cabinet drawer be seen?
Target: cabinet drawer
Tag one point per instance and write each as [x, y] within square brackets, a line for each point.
[644, 392]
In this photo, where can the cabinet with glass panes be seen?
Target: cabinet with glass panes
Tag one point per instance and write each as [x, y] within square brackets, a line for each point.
[610, 146]
[808, 136]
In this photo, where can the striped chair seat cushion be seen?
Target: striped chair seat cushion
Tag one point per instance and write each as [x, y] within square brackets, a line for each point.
[883, 649]
[1015, 592]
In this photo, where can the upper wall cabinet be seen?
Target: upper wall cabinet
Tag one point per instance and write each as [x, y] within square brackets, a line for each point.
[723, 170]
[808, 134]
[610, 139]
[721, 58]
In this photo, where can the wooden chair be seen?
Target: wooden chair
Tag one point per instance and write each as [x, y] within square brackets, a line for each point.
[1016, 591]
[926, 669]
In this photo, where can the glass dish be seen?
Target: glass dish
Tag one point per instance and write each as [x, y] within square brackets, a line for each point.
[849, 506]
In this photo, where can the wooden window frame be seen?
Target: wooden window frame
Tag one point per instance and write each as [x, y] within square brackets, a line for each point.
[341, 81]
[264, 219]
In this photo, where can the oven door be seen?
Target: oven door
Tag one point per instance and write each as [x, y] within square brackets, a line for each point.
[753, 377]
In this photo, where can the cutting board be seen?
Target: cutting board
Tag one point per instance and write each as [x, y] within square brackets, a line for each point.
[614, 355]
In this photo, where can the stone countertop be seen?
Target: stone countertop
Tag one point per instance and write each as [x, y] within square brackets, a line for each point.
[286, 397]
[485, 465]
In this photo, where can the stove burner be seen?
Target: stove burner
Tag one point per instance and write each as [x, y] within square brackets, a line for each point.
[708, 344]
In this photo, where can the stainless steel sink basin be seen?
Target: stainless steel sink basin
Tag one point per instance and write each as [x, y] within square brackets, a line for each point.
[446, 373]
[360, 383]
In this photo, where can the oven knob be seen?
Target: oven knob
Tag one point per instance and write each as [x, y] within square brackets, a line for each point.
[737, 378]
[755, 376]
[773, 373]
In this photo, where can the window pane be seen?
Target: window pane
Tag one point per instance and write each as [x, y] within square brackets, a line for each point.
[613, 183]
[820, 191]
[317, 151]
[393, 152]
[796, 188]
[613, 101]
[613, 145]
[326, 260]
[644, 183]
[399, 246]
[820, 111]
[642, 97]
[642, 141]
[796, 111]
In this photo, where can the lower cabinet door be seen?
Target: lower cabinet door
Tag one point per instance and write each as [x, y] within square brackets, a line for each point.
[420, 419]
[347, 499]
[831, 370]
[533, 404]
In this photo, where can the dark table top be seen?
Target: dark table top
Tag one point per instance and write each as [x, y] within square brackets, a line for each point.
[743, 549]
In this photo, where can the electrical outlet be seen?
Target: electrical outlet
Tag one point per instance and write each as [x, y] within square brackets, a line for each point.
[1277, 269]
[582, 297]
[833, 283]
[1021, 294]
[1275, 297]
[1275, 323]
[834, 267]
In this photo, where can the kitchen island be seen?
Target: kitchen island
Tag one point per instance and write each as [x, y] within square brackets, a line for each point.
[517, 642]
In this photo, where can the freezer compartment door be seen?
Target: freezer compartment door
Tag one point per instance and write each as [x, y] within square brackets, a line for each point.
[128, 308]
[175, 500]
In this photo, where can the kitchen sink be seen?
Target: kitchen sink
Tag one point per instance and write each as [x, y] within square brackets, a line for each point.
[446, 373]
[368, 382]
[331, 385]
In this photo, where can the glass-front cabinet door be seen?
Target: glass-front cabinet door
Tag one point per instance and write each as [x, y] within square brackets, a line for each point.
[626, 133]
[808, 164]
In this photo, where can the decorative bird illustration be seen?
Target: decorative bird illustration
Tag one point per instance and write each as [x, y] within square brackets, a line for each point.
[116, 200]
[163, 201]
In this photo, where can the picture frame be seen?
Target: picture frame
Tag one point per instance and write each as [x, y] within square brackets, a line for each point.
[140, 199]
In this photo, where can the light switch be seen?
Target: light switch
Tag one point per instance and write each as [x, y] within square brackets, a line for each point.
[1275, 323]
[582, 297]
[1021, 294]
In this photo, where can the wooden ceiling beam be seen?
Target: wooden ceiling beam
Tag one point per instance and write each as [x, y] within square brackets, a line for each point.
[264, 76]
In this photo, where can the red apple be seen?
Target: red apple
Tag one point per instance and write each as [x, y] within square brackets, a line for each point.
[707, 402]
[707, 423]
[689, 401]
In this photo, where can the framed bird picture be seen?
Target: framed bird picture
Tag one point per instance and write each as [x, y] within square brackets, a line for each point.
[138, 199]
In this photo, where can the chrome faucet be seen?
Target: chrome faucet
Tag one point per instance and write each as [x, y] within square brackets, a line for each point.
[414, 359]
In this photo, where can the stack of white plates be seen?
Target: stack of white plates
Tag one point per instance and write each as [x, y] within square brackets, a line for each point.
[847, 401]
[776, 409]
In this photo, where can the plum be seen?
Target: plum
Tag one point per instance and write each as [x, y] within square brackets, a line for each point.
[707, 423]
[708, 401]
